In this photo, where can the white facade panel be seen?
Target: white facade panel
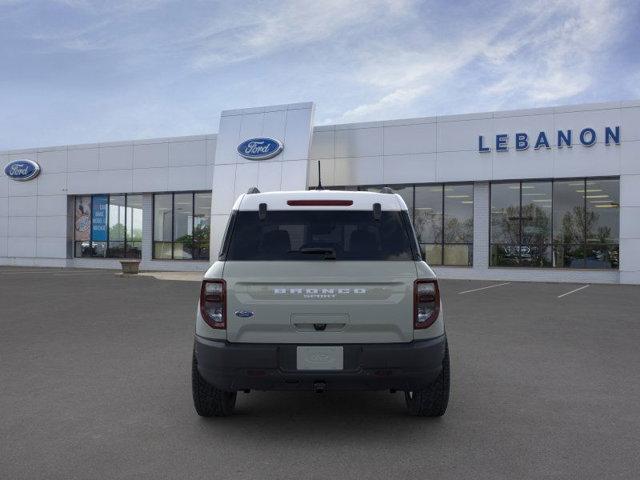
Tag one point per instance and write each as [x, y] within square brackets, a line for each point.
[359, 171]
[21, 246]
[51, 205]
[4, 206]
[327, 170]
[581, 161]
[52, 183]
[228, 140]
[463, 166]
[83, 159]
[224, 189]
[406, 168]
[4, 185]
[117, 157]
[630, 157]
[269, 176]
[322, 145]
[22, 227]
[188, 153]
[53, 161]
[55, 247]
[297, 135]
[246, 177]
[22, 206]
[23, 189]
[52, 226]
[150, 180]
[630, 191]
[294, 174]
[151, 155]
[84, 182]
[456, 136]
[192, 178]
[358, 142]
[630, 120]
[528, 163]
[408, 139]
[115, 181]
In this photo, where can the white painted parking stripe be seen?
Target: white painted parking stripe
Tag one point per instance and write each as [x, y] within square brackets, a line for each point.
[484, 288]
[573, 291]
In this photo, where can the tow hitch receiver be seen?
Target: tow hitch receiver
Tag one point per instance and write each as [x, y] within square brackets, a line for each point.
[319, 387]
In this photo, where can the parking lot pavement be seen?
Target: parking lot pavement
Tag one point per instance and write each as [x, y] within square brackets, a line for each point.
[95, 383]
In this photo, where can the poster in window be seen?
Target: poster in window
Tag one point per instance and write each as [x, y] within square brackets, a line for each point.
[83, 219]
[99, 220]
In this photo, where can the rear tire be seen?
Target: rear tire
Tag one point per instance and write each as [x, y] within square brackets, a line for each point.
[433, 400]
[208, 400]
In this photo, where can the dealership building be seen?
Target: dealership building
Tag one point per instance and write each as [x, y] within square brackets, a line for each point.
[547, 194]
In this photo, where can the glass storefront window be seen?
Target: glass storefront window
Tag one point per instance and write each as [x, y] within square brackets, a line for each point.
[442, 216]
[162, 225]
[181, 225]
[564, 223]
[108, 226]
[428, 220]
[458, 225]
[201, 225]
[134, 226]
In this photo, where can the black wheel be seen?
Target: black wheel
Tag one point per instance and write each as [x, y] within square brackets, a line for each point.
[433, 400]
[208, 400]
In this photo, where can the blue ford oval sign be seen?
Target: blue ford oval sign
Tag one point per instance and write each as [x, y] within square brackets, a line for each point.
[260, 148]
[22, 170]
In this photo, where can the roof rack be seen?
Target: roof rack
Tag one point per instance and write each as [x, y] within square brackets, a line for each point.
[387, 190]
[253, 190]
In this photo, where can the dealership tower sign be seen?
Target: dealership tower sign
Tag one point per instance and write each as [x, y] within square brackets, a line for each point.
[564, 138]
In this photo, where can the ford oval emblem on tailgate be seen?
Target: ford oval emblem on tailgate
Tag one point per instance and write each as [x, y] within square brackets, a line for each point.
[243, 313]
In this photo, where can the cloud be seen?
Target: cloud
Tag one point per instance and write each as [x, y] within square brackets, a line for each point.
[542, 53]
[286, 25]
[555, 63]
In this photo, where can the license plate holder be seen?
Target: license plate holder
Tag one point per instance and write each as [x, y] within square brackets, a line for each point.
[320, 358]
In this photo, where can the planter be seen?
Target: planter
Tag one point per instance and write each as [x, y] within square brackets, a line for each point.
[130, 266]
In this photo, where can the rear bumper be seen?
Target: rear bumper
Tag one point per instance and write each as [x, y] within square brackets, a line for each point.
[399, 366]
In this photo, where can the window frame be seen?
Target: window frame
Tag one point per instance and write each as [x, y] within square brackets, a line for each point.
[107, 241]
[553, 245]
[173, 213]
[412, 212]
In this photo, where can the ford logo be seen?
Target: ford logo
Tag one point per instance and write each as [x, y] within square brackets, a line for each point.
[22, 170]
[260, 148]
[244, 313]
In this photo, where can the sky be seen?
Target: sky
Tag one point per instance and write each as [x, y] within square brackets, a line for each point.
[80, 71]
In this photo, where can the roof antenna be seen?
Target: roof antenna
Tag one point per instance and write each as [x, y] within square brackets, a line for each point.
[319, 187]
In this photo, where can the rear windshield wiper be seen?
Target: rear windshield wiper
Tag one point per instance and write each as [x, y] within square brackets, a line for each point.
[329, 253]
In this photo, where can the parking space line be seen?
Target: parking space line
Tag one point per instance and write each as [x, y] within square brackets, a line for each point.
[573, 291]
[483, 288]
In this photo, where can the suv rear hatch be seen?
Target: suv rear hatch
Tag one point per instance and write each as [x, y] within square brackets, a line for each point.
[319, 276]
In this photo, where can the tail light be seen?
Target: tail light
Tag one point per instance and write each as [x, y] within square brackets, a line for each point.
[213, 303]
[426, 303]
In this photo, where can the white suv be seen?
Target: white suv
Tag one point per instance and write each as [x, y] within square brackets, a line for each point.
[320, 290]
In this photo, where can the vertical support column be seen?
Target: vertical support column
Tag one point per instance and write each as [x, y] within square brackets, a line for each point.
[629, 229]
[233, 175]
[481, 215]
[147, 227]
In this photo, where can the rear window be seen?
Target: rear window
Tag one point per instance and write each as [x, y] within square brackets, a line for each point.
[320, 235]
